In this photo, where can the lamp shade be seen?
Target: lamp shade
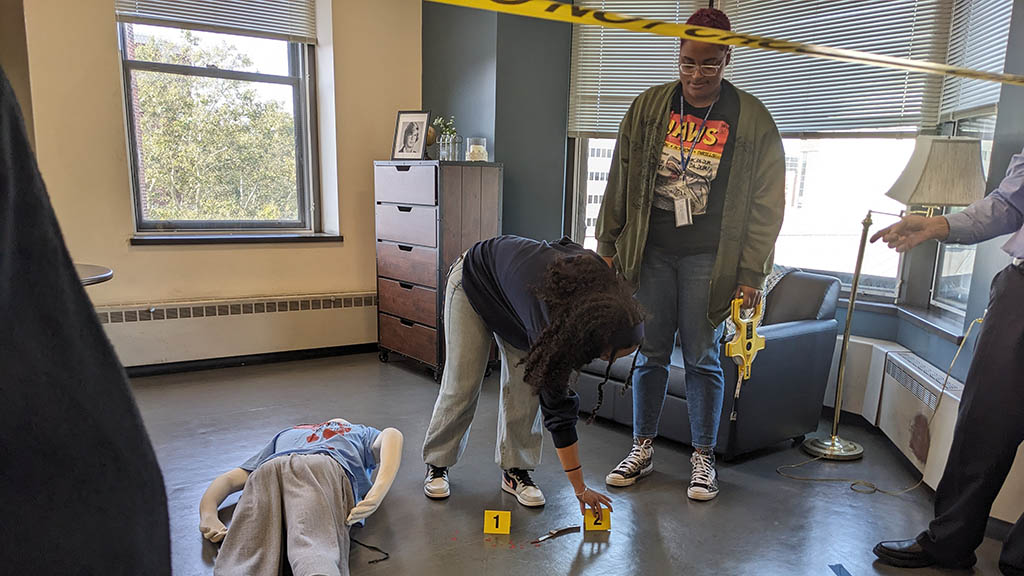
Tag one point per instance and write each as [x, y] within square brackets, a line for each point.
[942, 171]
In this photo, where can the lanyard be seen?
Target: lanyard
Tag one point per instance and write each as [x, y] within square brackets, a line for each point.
[700, 131]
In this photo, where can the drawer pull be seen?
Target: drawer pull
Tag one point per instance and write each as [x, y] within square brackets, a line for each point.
[405, 248]
[403, 168]
[404, 208]
[405, 322]
[405, 285]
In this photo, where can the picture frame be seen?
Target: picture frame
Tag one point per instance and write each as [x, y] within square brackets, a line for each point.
[410, 141]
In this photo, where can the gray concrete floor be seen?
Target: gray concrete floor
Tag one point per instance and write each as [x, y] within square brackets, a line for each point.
[204, 423]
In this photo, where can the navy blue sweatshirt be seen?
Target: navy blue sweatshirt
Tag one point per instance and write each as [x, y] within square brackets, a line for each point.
[499, 276]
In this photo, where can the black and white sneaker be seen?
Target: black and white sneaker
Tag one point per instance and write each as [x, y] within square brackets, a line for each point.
[639, 463]
[517, 482]
[703, 478]
[435, 485]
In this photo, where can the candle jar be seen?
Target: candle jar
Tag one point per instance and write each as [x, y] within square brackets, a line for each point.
[476, 149]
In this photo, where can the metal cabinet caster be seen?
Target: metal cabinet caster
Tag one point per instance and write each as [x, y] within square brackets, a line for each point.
[383, 355]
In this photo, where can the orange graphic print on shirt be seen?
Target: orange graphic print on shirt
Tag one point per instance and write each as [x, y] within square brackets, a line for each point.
[695, 185]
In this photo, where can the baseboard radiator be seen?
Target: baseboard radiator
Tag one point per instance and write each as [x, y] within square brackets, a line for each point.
[910, 394]
[163, 332]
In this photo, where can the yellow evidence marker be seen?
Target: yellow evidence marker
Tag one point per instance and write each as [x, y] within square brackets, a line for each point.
[497, 521]
[604, 522]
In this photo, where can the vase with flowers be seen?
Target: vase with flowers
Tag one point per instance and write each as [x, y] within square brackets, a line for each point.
[448, 140]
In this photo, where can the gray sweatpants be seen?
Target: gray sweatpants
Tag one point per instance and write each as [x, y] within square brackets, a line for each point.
[296, 504]
[467, 349]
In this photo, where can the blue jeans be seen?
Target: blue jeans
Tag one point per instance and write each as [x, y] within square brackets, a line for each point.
[674, 291]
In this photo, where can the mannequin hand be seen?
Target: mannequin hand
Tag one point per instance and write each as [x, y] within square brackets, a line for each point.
[750, 295]
[594, 500]
[212, 528]
[363, 509]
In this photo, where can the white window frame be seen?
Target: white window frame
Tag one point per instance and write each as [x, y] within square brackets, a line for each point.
[302, 79]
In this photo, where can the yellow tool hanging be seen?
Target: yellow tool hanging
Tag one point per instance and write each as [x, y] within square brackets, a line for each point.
[744, 346]
[747, 342]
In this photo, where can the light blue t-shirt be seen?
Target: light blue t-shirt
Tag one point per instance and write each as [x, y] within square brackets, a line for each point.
[351, 445]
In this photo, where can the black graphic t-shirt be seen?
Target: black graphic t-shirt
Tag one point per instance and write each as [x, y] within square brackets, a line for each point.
[706, 178]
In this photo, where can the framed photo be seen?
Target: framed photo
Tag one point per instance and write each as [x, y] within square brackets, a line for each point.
[410, 135]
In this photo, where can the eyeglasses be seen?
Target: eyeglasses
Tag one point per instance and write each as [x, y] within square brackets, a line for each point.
[705, 69]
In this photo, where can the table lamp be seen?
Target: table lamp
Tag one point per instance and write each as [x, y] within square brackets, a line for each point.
[942, 171]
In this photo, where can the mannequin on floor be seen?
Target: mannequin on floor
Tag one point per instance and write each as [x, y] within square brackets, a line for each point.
[300, 494]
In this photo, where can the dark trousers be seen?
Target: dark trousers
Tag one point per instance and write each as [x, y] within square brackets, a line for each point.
[989, 428]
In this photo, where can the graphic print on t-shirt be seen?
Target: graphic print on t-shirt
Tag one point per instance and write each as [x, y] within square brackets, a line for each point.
[702, 169]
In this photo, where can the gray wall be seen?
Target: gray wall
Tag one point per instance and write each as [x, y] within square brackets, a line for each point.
[506, 78]
[531, 122]
[459, 67]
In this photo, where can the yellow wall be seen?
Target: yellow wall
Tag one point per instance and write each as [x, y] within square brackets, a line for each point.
[14, 56]
[80, 141]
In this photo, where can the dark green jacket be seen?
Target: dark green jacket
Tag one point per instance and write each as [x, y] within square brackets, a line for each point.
[755, 197]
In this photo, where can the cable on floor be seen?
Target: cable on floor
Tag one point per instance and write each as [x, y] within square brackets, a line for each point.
[866, 486]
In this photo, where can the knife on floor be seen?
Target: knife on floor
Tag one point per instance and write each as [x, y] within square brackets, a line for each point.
[557, 533]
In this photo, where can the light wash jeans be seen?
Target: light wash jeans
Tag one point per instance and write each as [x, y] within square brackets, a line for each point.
[674, 291]
[467, 349]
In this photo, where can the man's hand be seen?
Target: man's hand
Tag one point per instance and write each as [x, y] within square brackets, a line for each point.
[913, 230]
[212, 528]
[609, 261]
[751, 296]
[363, 509]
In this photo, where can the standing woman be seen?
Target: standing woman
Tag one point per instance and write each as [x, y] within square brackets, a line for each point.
[553, 308]
[693, 206]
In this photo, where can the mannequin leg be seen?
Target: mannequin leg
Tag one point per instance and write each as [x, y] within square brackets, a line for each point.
[253, 545]
[317, 498]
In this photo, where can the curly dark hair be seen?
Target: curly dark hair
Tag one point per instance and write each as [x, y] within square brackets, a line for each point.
[587, 304]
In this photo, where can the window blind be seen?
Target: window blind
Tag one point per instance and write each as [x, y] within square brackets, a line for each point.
[978, 38]
[610, 67]
[292, 20]
[807, 94]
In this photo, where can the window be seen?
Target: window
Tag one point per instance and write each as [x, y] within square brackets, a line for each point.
[815, 95]
[219, 122]
[978, 40]
[610, 67]
[954, 265]
[598, 160]
[848, 129]
[831, 183]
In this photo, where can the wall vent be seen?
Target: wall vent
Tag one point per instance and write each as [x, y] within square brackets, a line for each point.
[207, 309]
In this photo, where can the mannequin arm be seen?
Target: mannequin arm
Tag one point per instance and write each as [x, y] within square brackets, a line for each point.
[388, 451]
[224, 485]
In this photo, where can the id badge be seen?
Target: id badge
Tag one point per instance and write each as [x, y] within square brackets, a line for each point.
[683, 215]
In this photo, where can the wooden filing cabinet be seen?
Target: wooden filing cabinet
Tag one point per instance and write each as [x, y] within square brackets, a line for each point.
[427, 214]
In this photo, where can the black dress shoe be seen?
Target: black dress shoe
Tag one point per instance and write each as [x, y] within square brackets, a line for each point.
[910, 554]
[903, 554]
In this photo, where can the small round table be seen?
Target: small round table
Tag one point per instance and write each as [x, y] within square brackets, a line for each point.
[91, 274]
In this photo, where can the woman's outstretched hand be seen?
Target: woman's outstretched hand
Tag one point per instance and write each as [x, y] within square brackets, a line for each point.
[594, 500]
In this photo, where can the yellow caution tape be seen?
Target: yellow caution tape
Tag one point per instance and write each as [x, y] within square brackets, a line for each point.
[549, 10]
